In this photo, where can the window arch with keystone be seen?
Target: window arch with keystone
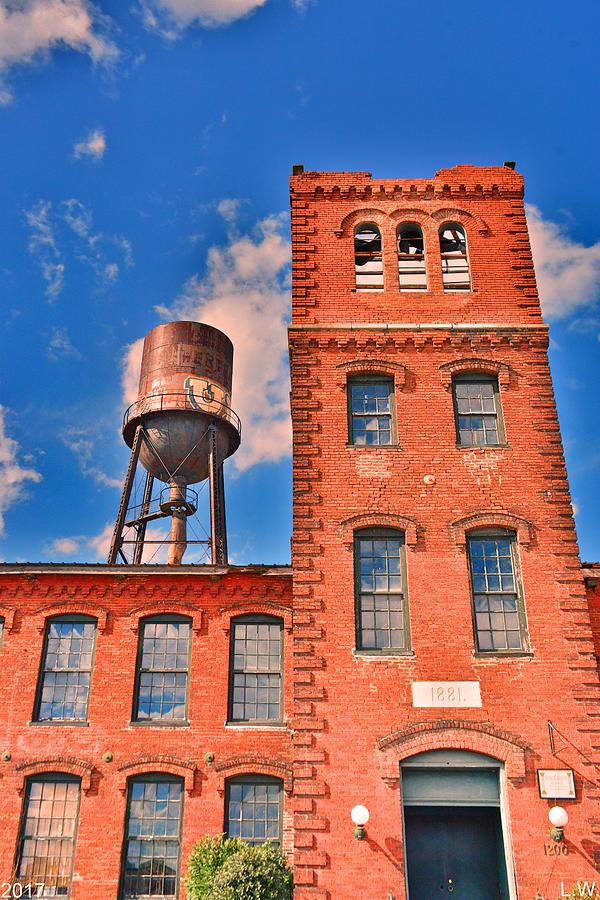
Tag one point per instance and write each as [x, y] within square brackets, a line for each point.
[65, 675]
[499, 619]
[456, 275]
[381, 602]
[412, 271]
[256, 670]
[477, 410]
[368, 257]
[371, 410]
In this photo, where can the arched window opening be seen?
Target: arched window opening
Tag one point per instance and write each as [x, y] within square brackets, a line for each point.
[498, 608]
[368, 258]
[380, 579]
[66, 671]
[152, 846]
[161, 689]
[455, 259]
[412, 273]
[256, 670]
[253, 809]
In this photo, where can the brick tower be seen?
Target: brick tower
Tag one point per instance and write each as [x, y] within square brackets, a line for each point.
[443, 653]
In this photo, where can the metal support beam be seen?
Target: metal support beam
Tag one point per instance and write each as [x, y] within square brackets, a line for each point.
[117, 538]
[218, 528]
[140, 530]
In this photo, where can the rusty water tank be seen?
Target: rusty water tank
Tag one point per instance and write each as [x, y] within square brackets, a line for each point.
[185, 386]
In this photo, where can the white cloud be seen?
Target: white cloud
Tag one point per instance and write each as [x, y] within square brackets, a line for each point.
[67, 228]
[82, 442]
[13, 476]
[60, 345]
[169, 17]
[64, 546]
[245, 292]
[30, 29]
[94, 145]
[229, 208]
[568, 273]
[95, 548]
[130, 376]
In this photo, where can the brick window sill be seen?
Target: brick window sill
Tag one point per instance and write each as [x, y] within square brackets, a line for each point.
[252, 726]
[495, 655]
[373, 446]
[155, 723]
[483, 446]
[61, 723]
[384, 654]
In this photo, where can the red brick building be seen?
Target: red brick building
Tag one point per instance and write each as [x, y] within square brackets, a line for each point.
[429, 655]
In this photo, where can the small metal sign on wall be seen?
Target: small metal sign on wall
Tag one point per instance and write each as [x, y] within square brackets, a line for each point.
[556, 784]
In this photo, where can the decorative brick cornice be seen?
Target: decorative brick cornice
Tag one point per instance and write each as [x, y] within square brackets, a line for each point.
[250, 764]
[72, 607]
[492, 518]
[479, 737]
[157, 762]
[475, 364]
[69, 764]
[378, 520]
[8, 614]
[255, 607]
[163, 608]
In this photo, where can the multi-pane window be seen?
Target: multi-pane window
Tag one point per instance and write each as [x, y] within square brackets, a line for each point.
[370, 411]
[412, 274]
[152, 838]
[66, 672]
[368, 259]
[455, 258]
[253, 808]
[163, 668]
[47, 840]
[477, 409]
[498, 609]
[256, 670]
[382, 620]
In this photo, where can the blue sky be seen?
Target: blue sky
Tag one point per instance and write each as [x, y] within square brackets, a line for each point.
[145, 150]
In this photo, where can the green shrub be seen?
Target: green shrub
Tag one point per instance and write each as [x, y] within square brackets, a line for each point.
[206, 858]
[253, 873]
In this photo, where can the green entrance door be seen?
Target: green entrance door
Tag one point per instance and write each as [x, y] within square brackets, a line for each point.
[454, 852]
[452, 827]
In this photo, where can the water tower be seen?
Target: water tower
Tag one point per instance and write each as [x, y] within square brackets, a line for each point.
[181, 429]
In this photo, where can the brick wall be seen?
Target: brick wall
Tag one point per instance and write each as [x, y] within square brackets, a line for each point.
[354, 719]
[118, 600]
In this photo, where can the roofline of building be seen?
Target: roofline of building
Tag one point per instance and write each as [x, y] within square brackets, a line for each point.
[122, 571]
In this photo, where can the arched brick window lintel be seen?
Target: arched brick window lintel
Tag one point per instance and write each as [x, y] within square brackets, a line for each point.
[474, 736]
[250, 608]
[523, 529]
[356, 523]
[61, 764]
[475, 365]
[8, 614]
[73, 608]
[410, 214]
[165, 608]
[368, 214]
[396, 371]
[167, 765]
[462, 216]
[253, 765]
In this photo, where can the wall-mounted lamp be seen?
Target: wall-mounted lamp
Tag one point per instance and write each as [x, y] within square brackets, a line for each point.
[558, 819]
[360, 817]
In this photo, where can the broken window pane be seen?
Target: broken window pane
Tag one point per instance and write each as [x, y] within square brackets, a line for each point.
[412, 275]
[455, 260]
[368, 258]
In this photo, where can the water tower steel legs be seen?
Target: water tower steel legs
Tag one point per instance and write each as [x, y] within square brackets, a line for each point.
[140, 531]
[117, 538]
[218, 528]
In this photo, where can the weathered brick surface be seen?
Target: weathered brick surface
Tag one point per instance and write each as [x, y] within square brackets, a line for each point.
[119, 600]
[364, 722]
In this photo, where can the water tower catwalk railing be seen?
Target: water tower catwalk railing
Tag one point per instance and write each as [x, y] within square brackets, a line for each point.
[180, 430]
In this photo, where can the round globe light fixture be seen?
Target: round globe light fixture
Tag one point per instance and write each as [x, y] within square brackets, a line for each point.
[558, 819]
[360, 817]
